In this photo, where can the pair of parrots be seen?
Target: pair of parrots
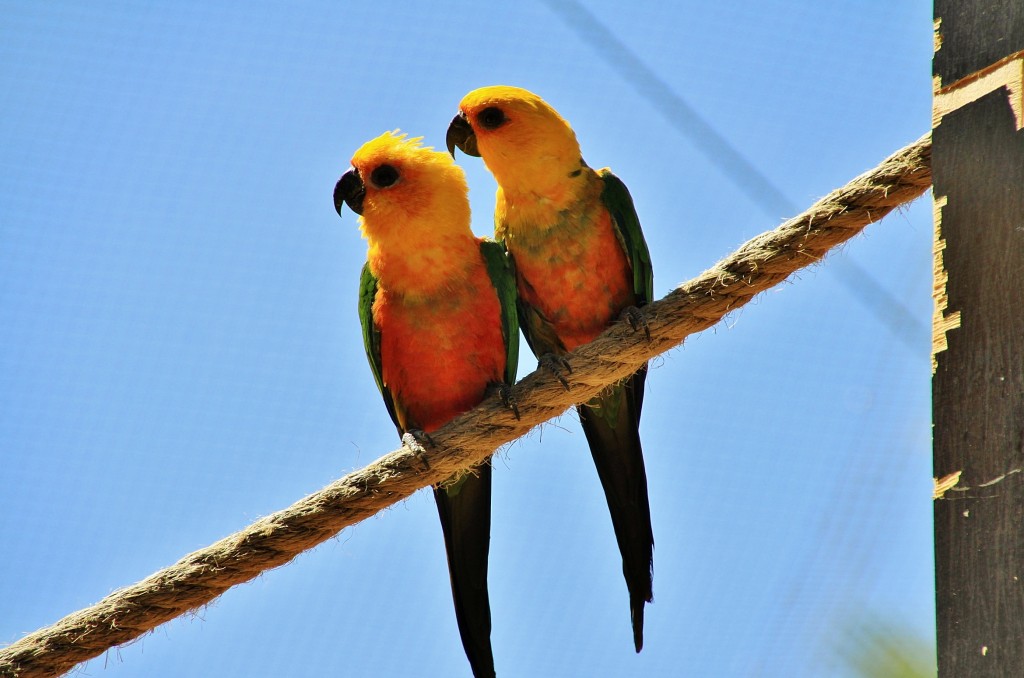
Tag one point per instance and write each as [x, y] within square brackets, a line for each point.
[441, 310]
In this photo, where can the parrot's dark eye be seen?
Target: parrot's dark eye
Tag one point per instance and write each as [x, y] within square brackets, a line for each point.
[491, 118]
[384, 176]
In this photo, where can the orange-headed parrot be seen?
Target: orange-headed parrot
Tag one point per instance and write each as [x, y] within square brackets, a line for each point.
[437, 307]
[581, 262]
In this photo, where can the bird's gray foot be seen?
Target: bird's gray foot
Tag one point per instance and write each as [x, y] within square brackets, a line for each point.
[418, 441]
[556, 365]
[504, 392]
[636, 320]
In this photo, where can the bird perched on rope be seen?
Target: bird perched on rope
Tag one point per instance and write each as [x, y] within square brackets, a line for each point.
[581, 262]
[437, 308]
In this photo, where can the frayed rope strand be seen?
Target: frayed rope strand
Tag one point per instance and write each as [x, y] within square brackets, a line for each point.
[200, 577]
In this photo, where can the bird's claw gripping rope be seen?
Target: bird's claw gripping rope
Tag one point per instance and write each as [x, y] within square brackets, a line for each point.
[557, 365]
[418, 441]
[504, 393]
[636, 320]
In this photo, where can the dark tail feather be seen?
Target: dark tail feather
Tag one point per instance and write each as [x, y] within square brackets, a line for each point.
[465, 512]
[611, 424]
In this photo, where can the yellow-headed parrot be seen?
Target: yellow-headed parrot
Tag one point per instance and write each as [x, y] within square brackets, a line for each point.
[437, 308]
[581, 262]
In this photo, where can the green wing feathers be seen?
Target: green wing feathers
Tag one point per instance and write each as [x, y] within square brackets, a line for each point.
[612, 427]
[499, 268]
[620, 204]
[371, 339]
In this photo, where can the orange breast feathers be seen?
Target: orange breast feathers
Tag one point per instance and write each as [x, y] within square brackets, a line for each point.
[440, 352]
[576, 274]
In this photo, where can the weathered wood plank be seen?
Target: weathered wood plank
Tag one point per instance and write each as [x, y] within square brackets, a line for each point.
[978, 386]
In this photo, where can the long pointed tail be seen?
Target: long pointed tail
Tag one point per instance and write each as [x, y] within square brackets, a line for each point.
[611, 424]
[465, 512]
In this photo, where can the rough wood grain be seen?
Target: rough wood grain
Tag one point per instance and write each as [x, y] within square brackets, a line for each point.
[978, 386]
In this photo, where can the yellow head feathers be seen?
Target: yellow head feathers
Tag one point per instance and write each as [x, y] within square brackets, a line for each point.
[521, 138]
[411, 190]
[396, 148]
[514, 102]
[414, 207]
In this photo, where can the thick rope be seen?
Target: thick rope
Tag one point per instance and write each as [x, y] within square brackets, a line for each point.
[198, 578]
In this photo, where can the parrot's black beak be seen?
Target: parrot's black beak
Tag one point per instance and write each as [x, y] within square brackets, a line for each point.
[460, 133]
[350, 190]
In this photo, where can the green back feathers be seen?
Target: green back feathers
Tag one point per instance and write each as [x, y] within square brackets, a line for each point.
[499, 268]
[371, 340]
[616, 198]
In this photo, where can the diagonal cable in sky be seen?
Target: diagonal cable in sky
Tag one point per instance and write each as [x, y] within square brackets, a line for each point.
[740, 171]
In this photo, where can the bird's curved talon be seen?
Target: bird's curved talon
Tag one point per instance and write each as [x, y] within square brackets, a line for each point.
[504, 392]
[636, 320]
[556, 365]
[418, 440]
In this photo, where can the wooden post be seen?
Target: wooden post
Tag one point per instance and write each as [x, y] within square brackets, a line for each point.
[978, 347]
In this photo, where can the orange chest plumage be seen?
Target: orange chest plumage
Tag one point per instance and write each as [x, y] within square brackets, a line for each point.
[575, 274]
[439, 352]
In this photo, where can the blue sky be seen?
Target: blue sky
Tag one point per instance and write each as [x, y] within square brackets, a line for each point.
[180, 352]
